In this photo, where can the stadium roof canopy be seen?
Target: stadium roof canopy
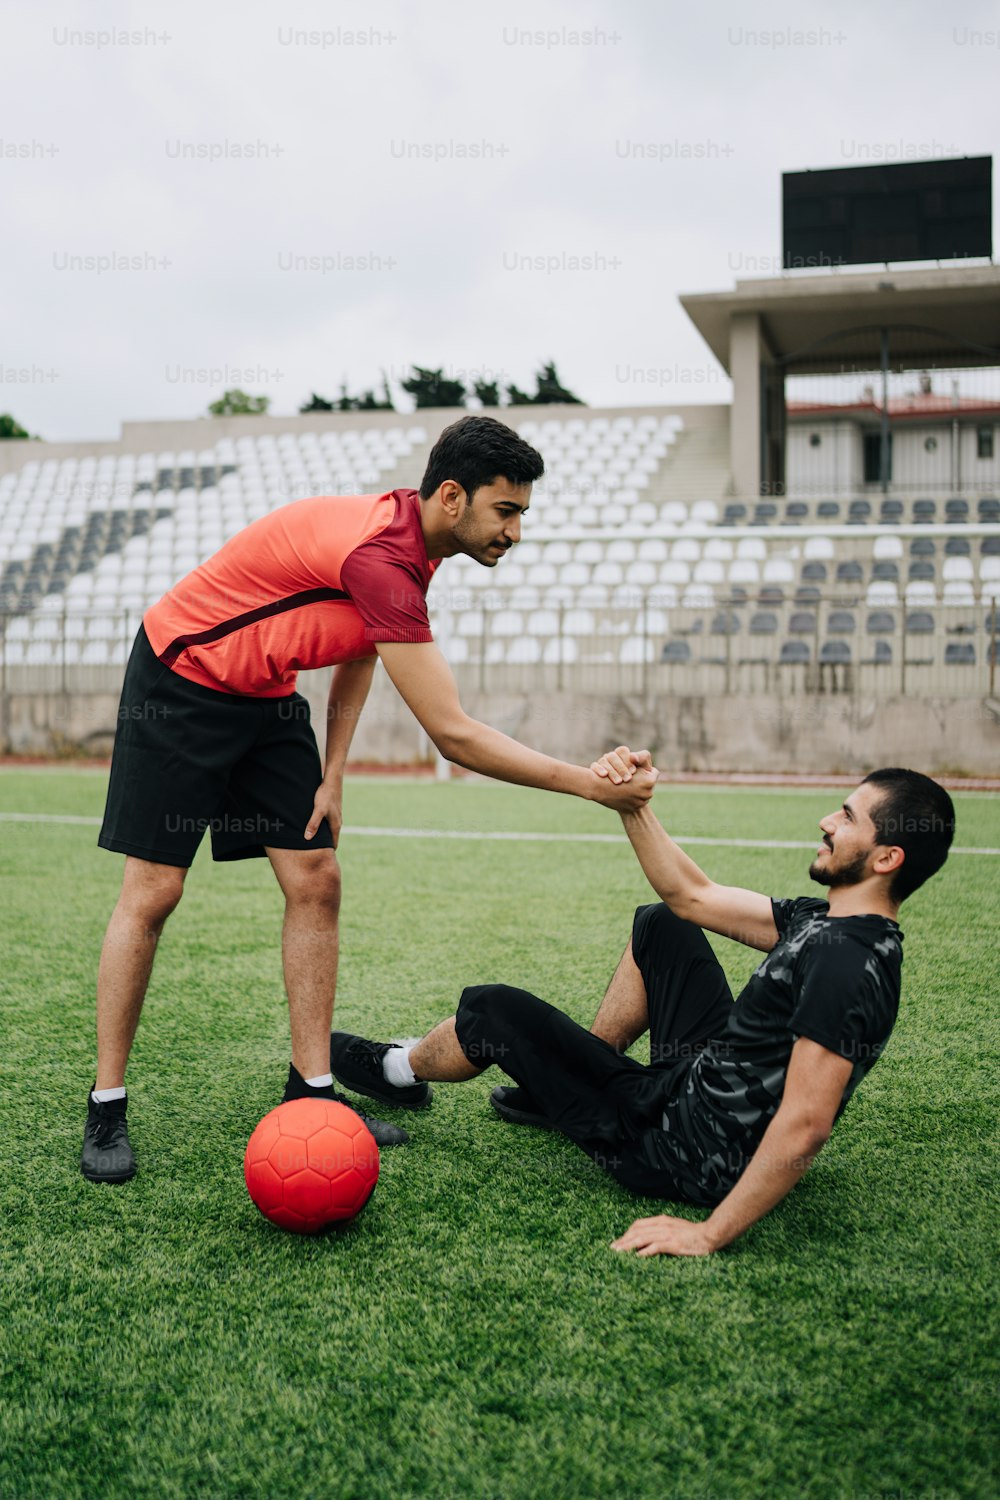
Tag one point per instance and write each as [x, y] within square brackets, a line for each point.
[813, 323]
[761, 332]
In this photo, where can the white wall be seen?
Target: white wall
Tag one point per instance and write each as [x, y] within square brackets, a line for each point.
[836, 467]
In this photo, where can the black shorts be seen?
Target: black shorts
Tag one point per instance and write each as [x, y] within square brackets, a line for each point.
[188, 759]
[608, 1103]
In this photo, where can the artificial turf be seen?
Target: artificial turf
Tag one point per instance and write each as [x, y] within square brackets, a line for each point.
[473, 1335]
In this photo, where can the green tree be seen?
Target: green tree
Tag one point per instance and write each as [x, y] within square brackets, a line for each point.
[516, 397]
[237, 403]
[367, 401]
[488, 392]
[316, 403]
[432, 388]
[10, 428]
[551, 388]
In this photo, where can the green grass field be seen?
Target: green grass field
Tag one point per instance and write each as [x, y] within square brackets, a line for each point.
[473, 1335]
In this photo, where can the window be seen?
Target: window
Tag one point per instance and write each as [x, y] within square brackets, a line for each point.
[984, 442]
[873, 457]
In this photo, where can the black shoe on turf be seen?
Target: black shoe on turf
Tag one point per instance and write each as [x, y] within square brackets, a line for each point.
[384, 1133]
[107, 1155]
[518, 1107]
[357, 1064]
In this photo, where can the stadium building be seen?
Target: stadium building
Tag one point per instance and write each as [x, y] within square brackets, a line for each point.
[804, 580]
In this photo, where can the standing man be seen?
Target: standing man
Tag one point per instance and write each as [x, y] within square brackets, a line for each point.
[738, 1097]
[212, 734]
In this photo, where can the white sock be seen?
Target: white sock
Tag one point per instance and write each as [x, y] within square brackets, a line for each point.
[105, 1096]
[323, 1081]
[396, 1067]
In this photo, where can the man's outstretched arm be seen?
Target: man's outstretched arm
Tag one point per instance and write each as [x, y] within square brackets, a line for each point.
[814, 1088]
[745, 916]
[427, 686]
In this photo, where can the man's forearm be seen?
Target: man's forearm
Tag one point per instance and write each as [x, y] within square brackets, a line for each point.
[783, 1157]
[491, 753]
[675, 878]
[349, 689]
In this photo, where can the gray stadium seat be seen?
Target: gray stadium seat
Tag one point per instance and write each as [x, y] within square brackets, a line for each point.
[814, 571]
[957, 546]
[835, 652]
[881, 657]
[802, 622]
[763, 623]
[850, 571]
[794, 652]
[841, 622]
[921, 569]
[828, 510]
[795, 510]
[885, 568]
[725, 623]
[676, 651]
[923, 546]
[959, 654]
[890, 512]
[881, 622]
[956, 510]
[988, 509]
[920, 622]
[858, 512]
[924, 510]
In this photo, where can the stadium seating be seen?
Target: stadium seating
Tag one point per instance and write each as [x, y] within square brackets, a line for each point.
[617, 574]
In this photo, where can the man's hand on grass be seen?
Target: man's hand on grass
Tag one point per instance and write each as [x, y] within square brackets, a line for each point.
[664, 1235]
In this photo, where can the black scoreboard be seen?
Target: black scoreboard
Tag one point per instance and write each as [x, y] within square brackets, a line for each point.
[921, 210]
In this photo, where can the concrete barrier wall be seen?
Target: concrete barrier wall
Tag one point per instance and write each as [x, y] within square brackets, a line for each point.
[806, 733]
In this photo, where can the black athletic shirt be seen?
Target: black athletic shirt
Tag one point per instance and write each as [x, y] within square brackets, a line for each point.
[835, 980]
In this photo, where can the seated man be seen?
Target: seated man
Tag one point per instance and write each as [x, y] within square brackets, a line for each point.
[738, 1097]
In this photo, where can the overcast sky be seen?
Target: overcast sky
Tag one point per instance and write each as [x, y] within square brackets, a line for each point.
[478, 187]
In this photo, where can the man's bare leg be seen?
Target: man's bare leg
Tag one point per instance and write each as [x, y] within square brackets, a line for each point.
[621, 1019]
[623, 1014]
[439, 1058]
[149, 893]
[310, 944]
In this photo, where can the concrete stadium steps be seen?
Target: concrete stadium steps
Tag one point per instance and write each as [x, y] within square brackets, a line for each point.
[698, 468]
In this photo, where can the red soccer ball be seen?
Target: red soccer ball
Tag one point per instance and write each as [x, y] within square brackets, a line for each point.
[311, 1163]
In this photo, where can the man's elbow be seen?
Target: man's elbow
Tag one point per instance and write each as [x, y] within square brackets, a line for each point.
[453, 739]
[692, 902]
[810, 1133]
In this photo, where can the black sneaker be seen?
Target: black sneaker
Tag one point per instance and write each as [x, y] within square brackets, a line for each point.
[518, 1107]
[107, 1155]
[357, 1063]
[384, 1133]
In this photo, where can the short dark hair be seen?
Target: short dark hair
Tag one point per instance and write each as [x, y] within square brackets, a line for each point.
[918, 816]
[477, 450]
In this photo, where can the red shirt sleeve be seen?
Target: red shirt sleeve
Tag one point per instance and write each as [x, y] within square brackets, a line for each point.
[388, 577]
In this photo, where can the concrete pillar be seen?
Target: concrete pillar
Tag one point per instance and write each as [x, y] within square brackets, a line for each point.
[745, 355]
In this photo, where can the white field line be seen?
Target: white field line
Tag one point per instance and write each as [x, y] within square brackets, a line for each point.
[505, 836]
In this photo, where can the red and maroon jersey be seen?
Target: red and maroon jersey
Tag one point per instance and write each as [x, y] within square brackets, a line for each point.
[315, 582]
